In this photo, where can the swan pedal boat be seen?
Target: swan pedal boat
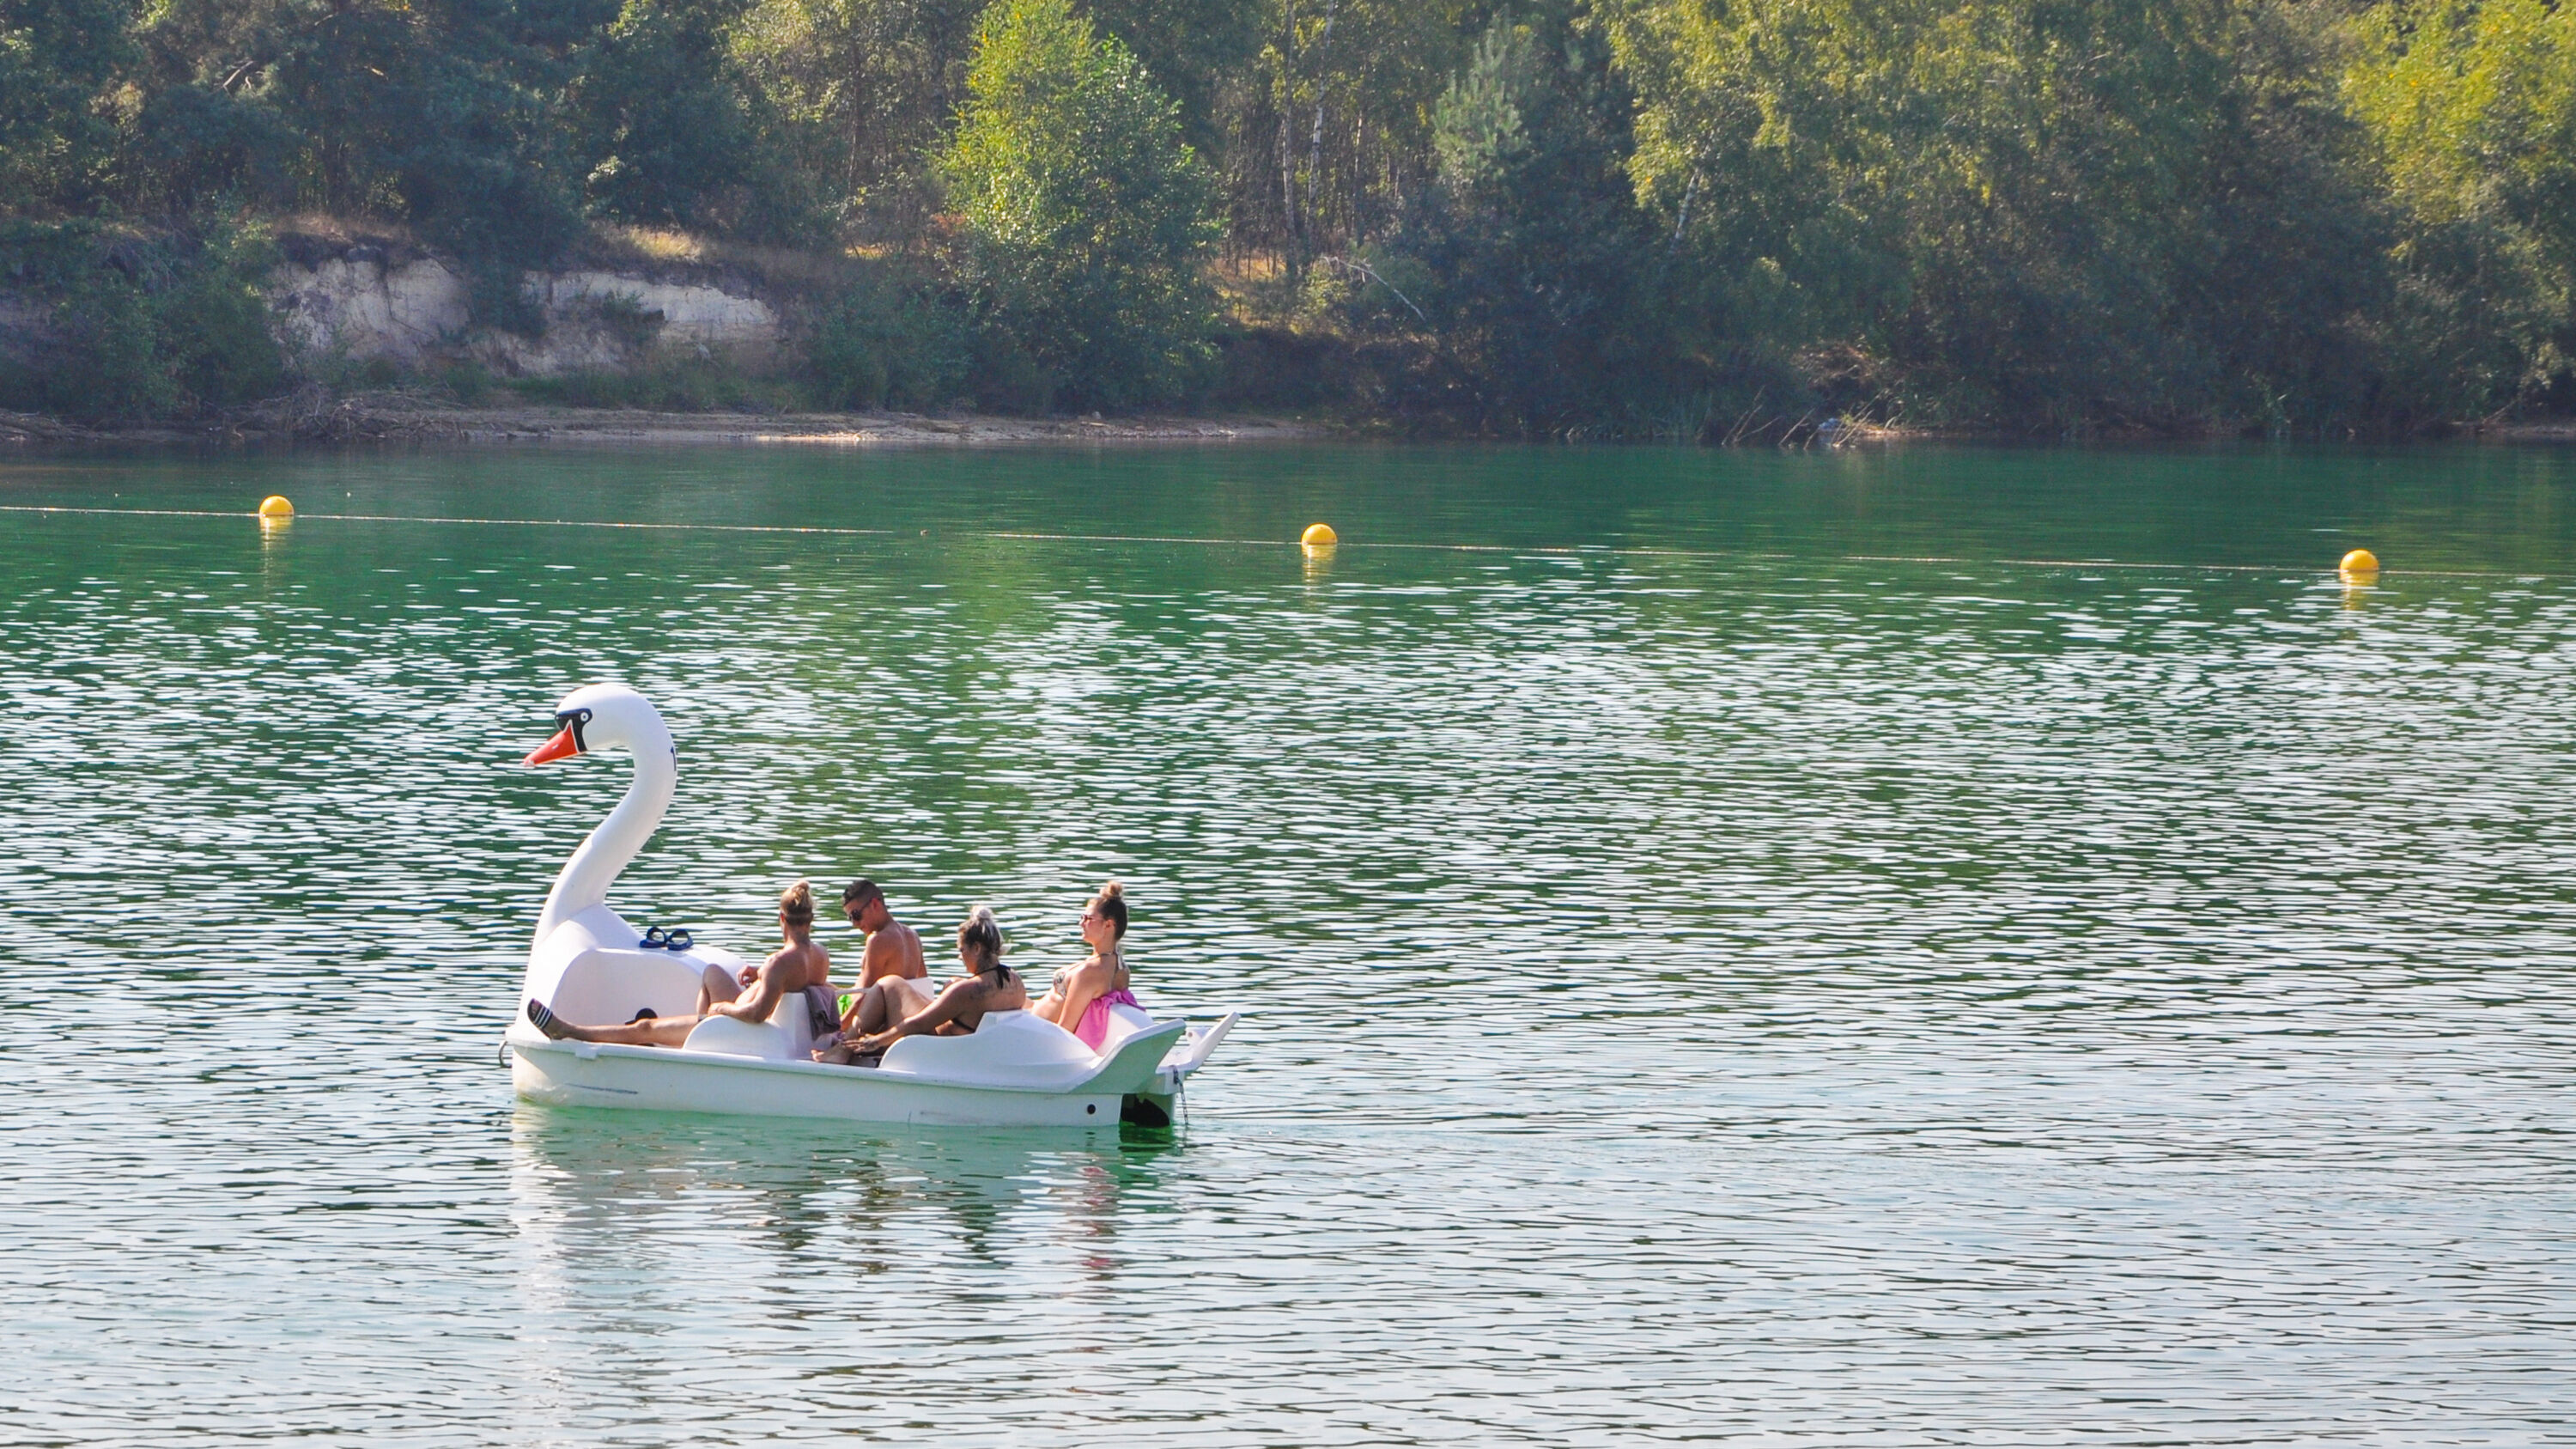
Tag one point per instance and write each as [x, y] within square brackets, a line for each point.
[590, 965]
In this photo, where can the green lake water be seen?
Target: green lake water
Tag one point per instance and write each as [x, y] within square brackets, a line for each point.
[1932, 946]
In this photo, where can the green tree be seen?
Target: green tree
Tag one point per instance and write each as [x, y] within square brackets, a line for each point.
[2473, 110]
[1540, 283]
[56, 58]
[2026, 213]
[1085, 216]
[1197, 51]
[2474, 105]
[672, 135]
[861, 91]
[447, 114]
[1328, 135]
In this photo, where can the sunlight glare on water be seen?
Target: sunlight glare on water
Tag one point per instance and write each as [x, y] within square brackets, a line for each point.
[1941, 946]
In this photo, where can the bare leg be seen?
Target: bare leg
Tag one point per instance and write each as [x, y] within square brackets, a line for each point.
[880, 1006]
[716, 987]
[889, 1001]
[667, 1031]
[877, 1008]
[869, 1016]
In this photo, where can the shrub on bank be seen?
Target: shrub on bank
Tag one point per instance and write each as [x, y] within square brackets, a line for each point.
[135, 325]
[887, 340]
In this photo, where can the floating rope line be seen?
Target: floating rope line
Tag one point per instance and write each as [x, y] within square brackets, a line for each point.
[2104, 563]
[1551, 550]
[483, 522]
[128, 512]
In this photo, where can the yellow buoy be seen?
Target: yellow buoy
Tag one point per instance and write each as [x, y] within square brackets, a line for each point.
[1319, 535]
[276, 506]
[2360, 563]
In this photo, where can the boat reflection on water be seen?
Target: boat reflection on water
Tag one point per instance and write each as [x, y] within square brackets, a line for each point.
[608, 1204]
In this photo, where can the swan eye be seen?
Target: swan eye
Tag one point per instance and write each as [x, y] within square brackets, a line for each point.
[573, 720]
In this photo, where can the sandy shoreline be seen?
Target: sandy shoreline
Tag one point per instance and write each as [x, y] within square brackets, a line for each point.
[397, 418]
[383, 420]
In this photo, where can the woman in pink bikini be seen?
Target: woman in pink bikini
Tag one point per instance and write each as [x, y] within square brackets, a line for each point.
[1082, 995]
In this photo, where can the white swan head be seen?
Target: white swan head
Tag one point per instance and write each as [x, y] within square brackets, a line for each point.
[591, 719]
[599, 717]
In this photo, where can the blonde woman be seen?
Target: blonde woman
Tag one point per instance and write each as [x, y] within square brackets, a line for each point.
[799, 967]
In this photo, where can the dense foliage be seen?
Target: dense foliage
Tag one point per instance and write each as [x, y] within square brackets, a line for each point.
[1700, 218]
[1083, 215]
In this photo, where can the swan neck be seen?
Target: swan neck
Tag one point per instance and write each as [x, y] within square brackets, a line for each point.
[603, 856]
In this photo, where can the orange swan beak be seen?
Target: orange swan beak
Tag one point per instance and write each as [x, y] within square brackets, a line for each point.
[555, 749]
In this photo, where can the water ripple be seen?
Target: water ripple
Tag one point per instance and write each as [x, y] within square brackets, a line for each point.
[1774, 996]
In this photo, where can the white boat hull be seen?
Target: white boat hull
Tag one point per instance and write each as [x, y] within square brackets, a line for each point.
[982, 1080]
[653, 1079]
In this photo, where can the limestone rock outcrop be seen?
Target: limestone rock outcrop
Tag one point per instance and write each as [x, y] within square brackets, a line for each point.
[367, 302]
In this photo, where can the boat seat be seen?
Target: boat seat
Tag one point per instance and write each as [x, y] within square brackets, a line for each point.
[1124, 1021]
[1009, 1049]
[787, 1036]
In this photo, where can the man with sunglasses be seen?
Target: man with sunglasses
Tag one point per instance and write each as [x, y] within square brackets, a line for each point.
[894, 981]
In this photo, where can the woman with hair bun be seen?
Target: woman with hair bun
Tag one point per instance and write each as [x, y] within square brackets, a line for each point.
[799, 967]
[1082, 995]
[988, 986]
